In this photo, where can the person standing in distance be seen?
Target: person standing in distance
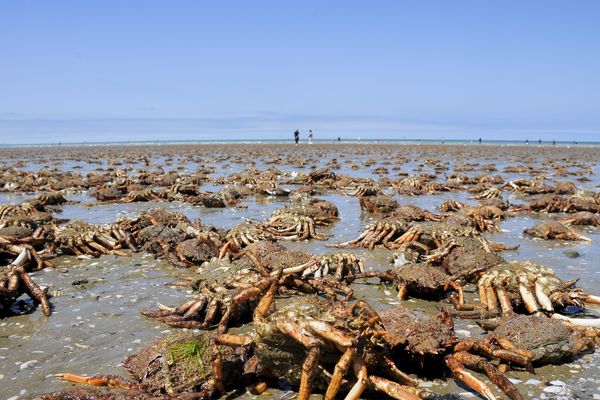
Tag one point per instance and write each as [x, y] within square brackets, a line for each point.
[310, 137]
[297, 136]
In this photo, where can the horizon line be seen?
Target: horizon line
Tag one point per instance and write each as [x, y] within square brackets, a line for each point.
[343, 140]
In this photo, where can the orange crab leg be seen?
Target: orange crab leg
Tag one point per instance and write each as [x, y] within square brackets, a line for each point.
[460, 372]
[339, 371]
[311, 363]
[457, 363]
[112, 381]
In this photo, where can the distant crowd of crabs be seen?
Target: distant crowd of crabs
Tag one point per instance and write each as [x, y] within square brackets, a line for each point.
[305, 325]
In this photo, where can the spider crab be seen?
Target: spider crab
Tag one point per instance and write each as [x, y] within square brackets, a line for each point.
[79, 238]
[155, 216]
[468, 257]
[14, 240]
[361, 188]
[52, 199]
[418, 339]
[491, 193]
[182, 365]
[380, 204]
[553, 203]
[271, 259]
[523, 286]
[414, 186]
[551, 229]
[331, 338]
[195, 251]
[298, 223]
[321, 176]
[342, 264]
[414, 214]
[385, 233]
[233, 297]
[521, 340]
[451, 205]
[583, 218]
[485, 216]
[432, 241]
[140, 195]
[15, 281]
[419, 280]
[243, 235]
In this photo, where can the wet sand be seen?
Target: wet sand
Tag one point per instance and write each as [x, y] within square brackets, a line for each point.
[96, 322]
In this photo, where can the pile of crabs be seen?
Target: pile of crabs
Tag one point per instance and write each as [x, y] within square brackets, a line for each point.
[262, 314]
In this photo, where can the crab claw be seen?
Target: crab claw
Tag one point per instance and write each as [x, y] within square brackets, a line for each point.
[589, 322]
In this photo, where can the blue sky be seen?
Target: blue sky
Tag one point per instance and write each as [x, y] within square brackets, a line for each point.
[135, 70]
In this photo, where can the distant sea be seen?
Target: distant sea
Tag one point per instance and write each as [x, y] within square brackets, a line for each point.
[304, 141]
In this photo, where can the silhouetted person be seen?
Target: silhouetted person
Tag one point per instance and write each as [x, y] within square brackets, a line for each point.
[540, 142]
[479, 140]
[310, 136]
[554, 143]
[297, 136]
[526, 141]
[339, 138]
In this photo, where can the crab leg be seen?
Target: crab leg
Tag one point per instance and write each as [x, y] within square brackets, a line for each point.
[591, 299]
[328, 332]
[506, 344]
[195, 309]
[590, 322]
[261, 268]
[528, 297]
[458, 288]
[33, 254]
[504, 300]
[508, 353]
[339, 271]
[339, 371]
[105, 240]
[389, 236]
[478, 363]
[393, 389]
[397, 373]
[244, 295]
[383, 234]
[492, 300]
[482, 294]
[224, 250]
[311, 363]
[361, 379]
[229, 339]
[460, 372]
[579, 236]
[353, 242]
[542, 297]
[113, 381]
[35, 291]
[311, 268]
